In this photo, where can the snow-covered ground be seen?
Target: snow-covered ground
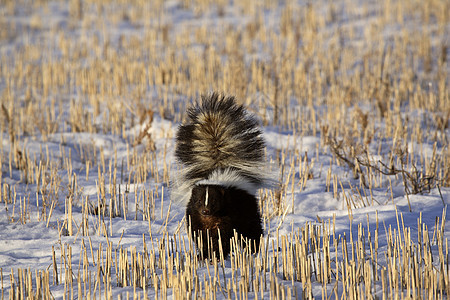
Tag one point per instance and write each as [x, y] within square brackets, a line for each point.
[45, 169]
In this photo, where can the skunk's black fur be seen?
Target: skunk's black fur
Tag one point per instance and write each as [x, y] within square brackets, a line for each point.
[228, 209]
[222, 152]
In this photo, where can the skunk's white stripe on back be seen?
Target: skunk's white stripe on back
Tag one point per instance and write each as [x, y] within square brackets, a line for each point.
[229, 178]
[206, 197]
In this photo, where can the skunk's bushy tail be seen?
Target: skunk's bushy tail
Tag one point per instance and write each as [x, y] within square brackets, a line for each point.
[222, 143]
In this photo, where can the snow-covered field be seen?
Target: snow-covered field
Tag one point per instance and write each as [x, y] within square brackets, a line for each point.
[354, 102]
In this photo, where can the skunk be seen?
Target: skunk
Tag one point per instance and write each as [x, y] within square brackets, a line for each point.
[221, 149]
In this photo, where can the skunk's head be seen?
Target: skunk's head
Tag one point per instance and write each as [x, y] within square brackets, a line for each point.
[209, 200]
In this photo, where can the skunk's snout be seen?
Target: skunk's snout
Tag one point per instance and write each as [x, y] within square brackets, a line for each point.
[205, 211]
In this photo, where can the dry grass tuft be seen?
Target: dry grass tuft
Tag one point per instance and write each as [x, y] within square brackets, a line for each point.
[345, 266]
